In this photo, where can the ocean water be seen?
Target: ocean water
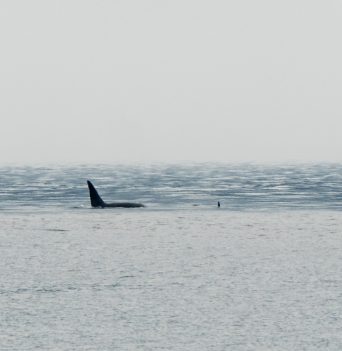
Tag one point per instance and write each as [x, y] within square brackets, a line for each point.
[263, 272]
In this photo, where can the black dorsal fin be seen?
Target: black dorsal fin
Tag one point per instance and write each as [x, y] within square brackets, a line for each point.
[95, 198]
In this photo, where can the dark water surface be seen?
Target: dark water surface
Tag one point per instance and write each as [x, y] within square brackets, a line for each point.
[236, 186]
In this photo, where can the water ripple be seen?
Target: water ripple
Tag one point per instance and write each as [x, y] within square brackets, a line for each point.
[236, 186]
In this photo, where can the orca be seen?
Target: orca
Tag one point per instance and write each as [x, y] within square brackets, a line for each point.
[96, 201]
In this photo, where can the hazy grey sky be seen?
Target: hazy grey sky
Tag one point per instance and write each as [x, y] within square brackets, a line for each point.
[157, 80]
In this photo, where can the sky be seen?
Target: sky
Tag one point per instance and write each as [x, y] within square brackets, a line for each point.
[130, 81]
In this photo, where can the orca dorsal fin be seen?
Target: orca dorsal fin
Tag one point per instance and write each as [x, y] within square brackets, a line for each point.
[95, 198]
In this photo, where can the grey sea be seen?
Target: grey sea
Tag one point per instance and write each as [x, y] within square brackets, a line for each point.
[262, 272]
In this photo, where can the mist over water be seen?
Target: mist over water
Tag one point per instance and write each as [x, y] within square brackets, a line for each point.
[263, 272]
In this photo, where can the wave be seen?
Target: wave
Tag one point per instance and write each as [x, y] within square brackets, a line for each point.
[246, 186]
